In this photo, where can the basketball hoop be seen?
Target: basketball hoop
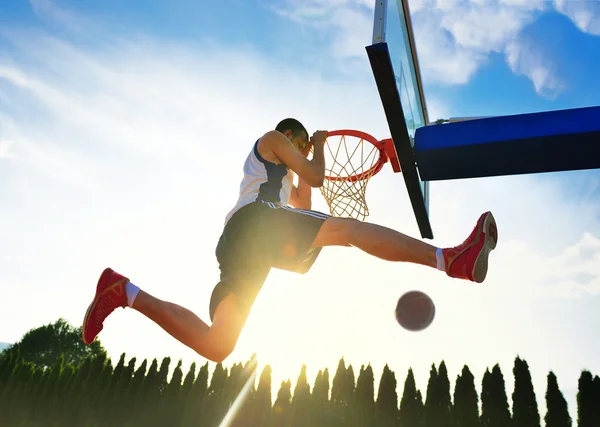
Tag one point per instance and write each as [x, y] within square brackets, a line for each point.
[352, 158]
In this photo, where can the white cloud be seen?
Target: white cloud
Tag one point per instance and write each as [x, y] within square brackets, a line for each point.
[573, 273]
[454, 39]
[441, 59]
[529, 60]
[347, 24]
[584, 14]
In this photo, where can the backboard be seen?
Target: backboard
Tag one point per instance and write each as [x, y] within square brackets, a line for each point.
[394, 61]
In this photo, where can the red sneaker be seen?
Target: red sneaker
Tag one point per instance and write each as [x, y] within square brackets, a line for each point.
[110, 294]
[469, 260]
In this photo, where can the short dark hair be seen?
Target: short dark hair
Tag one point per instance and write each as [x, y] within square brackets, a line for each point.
[293, 125]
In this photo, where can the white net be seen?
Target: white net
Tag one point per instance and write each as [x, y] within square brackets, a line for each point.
[351, 160]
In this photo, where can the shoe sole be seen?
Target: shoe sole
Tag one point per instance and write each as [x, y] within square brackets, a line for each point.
[490, 231]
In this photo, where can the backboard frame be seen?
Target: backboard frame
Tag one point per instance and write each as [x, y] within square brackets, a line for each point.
[385, 78]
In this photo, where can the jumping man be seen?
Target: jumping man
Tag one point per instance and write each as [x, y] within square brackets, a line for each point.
[263, 231]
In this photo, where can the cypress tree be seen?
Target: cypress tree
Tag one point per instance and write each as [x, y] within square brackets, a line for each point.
[76, 390]
[321, 388]
[234, 383]
[525, 409]
[420, 407]
[430, 417]
[410, 404]
[596, 398]
[585, 401]
[122, 411]
[241, 376]
[171, 410]
[320, 399]
[194, 404]
[218, 380]
[215, 396]
[127, 377]
[99, 383]
[261, 404]
[465, 411]
[557, 411]
[155, 390]
[118, 372]
[364, 398]
[350, 385]
[386, 405]
[162, 376]
[342, 390]
[188, 381]
[137, 382]
[300, 408]
[494, 402]
[108, 410]
[174, 386]
[443, 400]
[281, 407]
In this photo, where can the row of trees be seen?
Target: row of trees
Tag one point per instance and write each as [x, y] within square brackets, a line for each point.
[89, 391]
[98, 394]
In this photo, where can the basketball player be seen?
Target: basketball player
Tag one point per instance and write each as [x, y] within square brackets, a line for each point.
[263, 231]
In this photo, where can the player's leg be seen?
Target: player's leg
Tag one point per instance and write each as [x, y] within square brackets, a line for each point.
[213, 342]
[243, 272]
[467, 261]
[377, 240]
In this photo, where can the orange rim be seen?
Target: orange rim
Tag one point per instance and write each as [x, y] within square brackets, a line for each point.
[373, 170]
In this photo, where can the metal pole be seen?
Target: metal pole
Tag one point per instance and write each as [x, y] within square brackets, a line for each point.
[379, 23]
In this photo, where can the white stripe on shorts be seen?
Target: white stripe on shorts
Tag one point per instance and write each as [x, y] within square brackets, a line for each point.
[306, 212]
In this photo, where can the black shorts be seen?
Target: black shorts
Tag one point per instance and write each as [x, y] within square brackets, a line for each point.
[258, 237]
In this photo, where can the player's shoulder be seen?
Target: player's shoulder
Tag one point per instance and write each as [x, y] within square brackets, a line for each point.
[270, 137]
[272, 140]
[267, 145]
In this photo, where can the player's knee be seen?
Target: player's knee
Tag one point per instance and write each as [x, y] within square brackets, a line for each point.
[218, 353]
[214, 348]
[337, 232]
[221, 338]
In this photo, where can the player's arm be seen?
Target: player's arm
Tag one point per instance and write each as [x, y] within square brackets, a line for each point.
[312, 172]
[301, 196]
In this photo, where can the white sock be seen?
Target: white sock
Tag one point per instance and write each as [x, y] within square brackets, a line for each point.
[132, 291]
[441, 264]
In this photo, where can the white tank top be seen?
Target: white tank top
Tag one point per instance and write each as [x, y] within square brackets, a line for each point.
[263, 180]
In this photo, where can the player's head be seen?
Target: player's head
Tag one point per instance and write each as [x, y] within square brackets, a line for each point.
[294, 131]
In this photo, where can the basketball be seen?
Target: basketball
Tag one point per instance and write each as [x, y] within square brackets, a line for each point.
[415, 311]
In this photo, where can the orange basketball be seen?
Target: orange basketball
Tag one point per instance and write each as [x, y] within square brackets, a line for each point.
[415, 311]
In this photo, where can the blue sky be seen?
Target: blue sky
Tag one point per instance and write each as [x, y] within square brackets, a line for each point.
[124, 125]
